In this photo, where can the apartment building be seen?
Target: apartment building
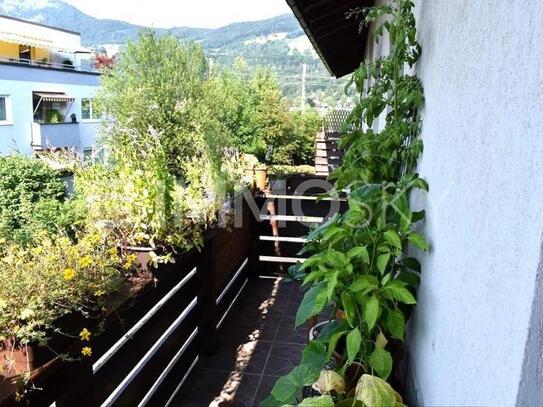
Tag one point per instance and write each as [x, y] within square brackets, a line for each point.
[47, 85]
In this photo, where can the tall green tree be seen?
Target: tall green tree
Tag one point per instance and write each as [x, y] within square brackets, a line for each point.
[159, 82]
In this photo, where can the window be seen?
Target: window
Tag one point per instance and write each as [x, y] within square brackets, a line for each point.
[5, 109]
[89, 111]
[88, 153]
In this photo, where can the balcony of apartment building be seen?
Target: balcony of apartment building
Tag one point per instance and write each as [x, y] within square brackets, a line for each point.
[54, 126]
[30, 44]
[38, 55]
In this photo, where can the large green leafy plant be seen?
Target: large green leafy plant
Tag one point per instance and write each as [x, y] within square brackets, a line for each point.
[359, 262]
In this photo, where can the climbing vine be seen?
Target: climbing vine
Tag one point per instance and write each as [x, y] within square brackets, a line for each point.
[359, 263]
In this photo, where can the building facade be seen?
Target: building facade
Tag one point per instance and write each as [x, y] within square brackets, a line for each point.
[47, 86]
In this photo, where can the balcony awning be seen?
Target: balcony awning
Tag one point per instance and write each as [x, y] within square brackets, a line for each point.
[54, 97]
[31, 41]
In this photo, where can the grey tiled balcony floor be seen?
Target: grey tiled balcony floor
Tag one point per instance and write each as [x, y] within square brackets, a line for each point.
[258, 345]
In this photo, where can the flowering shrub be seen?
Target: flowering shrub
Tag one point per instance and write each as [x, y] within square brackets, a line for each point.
[41, 284]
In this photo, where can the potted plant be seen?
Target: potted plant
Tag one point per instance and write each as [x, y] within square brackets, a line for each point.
[261, 177]
[73, 116]
[358, 261]
[67, 63]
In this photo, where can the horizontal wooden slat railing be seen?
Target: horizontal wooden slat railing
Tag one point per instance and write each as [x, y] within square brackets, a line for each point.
[152, 342]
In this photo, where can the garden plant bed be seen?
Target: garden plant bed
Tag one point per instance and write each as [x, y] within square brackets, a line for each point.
[174, 287]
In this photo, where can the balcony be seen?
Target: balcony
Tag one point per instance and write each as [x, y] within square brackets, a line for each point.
[57, 135]
[83, 65]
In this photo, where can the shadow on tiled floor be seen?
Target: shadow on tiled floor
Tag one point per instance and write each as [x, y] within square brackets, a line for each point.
[259, 344]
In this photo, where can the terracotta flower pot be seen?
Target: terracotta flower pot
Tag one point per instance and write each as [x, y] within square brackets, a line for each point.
[261, 176]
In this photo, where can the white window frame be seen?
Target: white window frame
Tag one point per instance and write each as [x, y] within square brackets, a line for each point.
[9, 111]
[91, 111]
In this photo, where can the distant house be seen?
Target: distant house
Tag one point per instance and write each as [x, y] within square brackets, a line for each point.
[47, 85]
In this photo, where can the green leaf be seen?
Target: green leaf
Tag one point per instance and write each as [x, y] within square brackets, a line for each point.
[313, 260]
[354, 341]
[393, 239]
[381, 361]
[386, 279]
[381, 341]
[288, 387]
[336, 259]
[364, 283]
[382, 262]
[395, 323]
[411, 263]
[331, 283]
[331, 328]
[314, 355]
[371, 312]
[411, 278]
[375, 392]
[334, 341]
[313, 303]
[418, 241]
[417, 216]
[421, 184]
[399, 292]
[359, 252]
[322, 401]
[349, 307]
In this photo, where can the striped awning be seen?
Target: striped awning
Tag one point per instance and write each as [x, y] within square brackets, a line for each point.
[54, 97]
[22, 39]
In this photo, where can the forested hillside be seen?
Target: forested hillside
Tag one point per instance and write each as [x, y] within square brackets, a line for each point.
[277, 43]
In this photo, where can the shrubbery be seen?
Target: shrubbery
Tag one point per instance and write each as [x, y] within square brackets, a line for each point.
[174, 134]
[253, 111]
[32, 199]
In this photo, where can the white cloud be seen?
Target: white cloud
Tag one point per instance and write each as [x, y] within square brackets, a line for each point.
[169, 13]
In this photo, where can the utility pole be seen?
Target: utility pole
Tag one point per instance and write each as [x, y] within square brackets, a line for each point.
[304, 79]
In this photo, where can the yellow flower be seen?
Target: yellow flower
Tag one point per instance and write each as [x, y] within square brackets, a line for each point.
[112, 251]
[85, 261]
[85, 334]
[69, 274]
[37, 251]
[86, 351]
[27, 313]
[130, 260]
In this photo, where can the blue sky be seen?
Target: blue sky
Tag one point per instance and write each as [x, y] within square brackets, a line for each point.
[168, 13]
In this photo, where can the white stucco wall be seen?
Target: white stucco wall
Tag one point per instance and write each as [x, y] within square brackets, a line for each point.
[482, 70]
[19, 83]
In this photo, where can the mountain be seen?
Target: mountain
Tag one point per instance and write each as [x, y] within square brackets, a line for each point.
[278, 43]
[102, 31]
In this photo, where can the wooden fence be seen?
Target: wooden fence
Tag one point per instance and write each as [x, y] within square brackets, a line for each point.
[328, 156]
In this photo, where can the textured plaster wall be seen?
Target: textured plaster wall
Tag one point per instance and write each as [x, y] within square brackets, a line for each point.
[476, 334]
